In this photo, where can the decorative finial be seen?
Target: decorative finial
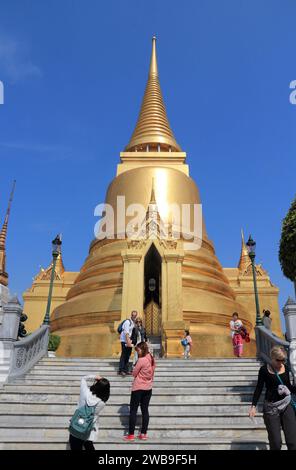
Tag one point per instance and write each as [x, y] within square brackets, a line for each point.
[243, 238]
[153, 131]
[244, 260]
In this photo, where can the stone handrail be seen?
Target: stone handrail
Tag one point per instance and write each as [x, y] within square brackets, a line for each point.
[27, 352]
[265, 340]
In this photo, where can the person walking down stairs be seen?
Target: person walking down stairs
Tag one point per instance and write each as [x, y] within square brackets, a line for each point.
[237, 340]
[279, 408]
[83, 427]
[141, 391]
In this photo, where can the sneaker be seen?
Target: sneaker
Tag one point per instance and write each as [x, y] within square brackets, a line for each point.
[129, 438]
[129, 373]
[143, 437]
[123, 374]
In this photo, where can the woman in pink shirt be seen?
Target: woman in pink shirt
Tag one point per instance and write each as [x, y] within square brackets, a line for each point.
[141, 391]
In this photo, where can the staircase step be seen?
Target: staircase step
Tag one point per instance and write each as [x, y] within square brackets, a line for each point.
[126, 383]
[172, 444]
[172, 398]
[159, 361]
[45, 407]
[117, 388]
[157, 420]
[116, 434]
[88, 370]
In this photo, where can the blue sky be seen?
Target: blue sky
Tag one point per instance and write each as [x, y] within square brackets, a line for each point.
[74, 74]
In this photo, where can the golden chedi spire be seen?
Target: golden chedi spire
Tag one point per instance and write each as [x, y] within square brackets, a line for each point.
[3, 235]
[153, 131]
[244, 261]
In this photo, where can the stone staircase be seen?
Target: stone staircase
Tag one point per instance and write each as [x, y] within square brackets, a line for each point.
[196, 404]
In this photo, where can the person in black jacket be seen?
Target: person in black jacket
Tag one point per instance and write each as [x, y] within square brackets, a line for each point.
[138, 336]
[278, 411]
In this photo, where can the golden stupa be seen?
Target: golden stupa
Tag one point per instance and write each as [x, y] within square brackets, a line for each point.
[172, 286]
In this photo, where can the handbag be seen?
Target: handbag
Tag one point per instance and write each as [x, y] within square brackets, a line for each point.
[244, 334]
[293, 402]
[184, 342]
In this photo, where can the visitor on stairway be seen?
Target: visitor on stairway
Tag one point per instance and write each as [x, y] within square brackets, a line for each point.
[187, 344]
[138, 336]
[266, 319]
[84, 423]
[141, 391]
[279, 408]
[126, 344]
[237, 340]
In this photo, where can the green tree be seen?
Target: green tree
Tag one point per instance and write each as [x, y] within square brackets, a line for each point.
[287, 251]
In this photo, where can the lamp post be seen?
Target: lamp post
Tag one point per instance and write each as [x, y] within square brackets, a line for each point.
[251, 244]
[56, 250]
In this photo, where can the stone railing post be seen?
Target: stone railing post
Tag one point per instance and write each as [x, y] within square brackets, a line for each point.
[12, 312]
[289, 311]
[18, 356]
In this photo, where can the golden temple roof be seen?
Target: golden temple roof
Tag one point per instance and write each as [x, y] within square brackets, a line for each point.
[153, 131]
[45, 274]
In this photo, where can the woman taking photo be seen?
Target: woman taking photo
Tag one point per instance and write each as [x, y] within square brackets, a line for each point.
[277, 409]
[91, 402]
[141, 391]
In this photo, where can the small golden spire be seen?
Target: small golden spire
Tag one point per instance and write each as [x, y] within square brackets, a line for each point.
[244, 261]
[152, 197]
[153, 131]
[45, 274]
[3, 235]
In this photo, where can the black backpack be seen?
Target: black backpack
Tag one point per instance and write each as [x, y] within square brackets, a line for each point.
[134, 336]
[120, 326]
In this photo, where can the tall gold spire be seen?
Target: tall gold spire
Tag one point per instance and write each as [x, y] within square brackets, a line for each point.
[3, 234]
[153, 131]
[244, 261]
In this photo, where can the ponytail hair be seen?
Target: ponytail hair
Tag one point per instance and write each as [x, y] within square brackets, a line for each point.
[145, 350]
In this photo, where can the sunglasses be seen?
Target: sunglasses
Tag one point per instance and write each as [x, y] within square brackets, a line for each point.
[280, 360]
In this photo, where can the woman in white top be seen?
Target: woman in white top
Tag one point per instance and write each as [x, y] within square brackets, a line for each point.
[97, 395]
[237, 340]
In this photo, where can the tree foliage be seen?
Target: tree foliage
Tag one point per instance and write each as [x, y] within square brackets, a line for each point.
[287, 251]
